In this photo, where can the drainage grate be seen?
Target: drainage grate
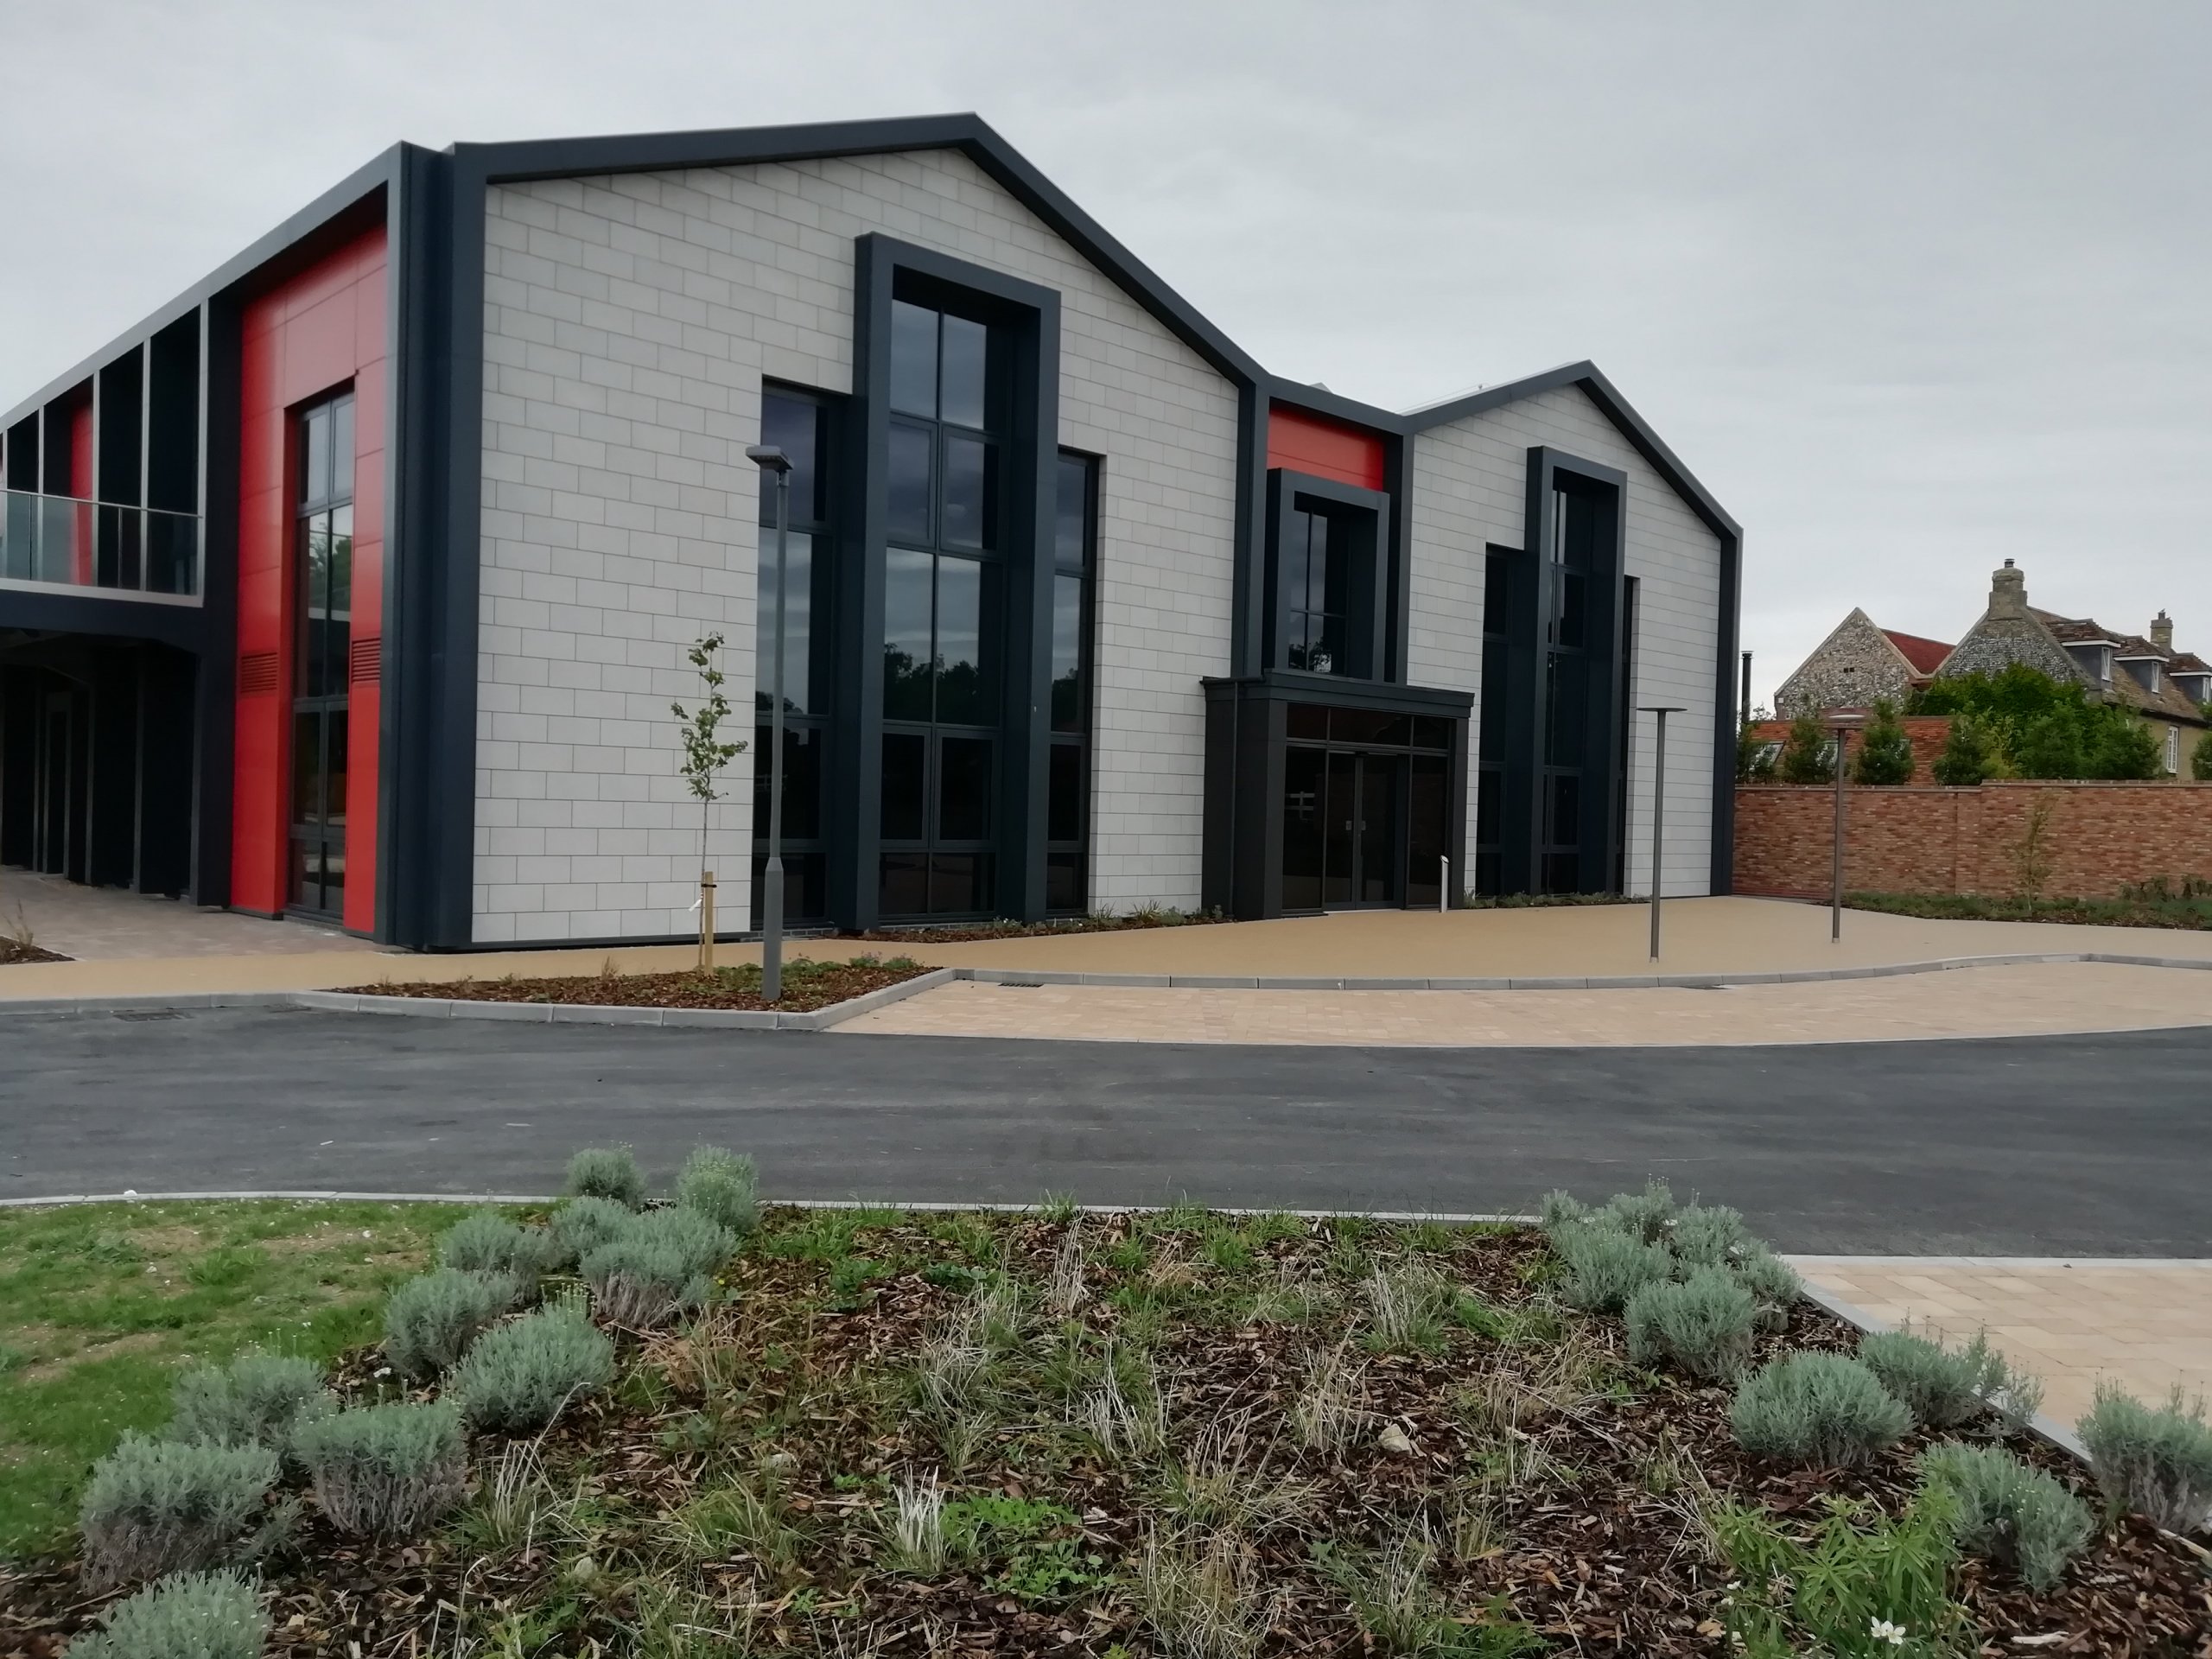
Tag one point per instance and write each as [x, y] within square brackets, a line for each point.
[1021, 984]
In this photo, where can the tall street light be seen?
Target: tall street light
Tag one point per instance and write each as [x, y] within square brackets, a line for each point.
[769, 458]
[1658, 810]
[1843, 722]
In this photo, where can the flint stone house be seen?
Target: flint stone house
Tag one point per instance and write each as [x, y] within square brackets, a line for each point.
[2166, 689]
[356, 582]
[1856, 665]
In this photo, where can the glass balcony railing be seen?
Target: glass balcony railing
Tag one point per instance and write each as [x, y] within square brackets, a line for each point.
[99, 546]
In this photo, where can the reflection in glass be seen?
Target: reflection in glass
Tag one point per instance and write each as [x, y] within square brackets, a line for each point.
[1071, 524]
[907, 484]
[1063, 794]
[341, 450]
[802, 781]
[793, 425]
[913, 360]
[960, 883]
[967, 683]
[961, 388]
[971, 492]
[1067, 653]
[314, 454]
[964, 803]
[905, 773]
[1064, 881]
[307, 768]
[799, 621]
[906, 654]
[905, 890]
[1301, 828]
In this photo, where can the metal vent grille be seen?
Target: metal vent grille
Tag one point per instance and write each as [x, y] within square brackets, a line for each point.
[256, 673]
[367, 659]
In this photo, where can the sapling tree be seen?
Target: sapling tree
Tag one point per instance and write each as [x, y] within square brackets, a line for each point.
[705, 755]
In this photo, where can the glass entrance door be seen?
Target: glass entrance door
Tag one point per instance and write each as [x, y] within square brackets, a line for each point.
[1359, 830]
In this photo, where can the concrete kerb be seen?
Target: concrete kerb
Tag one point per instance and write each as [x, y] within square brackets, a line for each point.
[2057, 1433]
[824, 1019]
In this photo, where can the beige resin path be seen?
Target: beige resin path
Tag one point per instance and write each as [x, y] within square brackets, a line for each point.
[2144, 1326]
[2022, 1000]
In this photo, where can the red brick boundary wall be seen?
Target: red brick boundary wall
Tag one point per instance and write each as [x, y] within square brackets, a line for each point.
[1916, 838]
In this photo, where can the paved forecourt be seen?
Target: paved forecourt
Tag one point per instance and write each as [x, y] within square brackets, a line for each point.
[2145, 1326]
[2013, 1001]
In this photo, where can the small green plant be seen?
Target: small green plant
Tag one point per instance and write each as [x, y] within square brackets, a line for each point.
[388, 1470]
[1406, 1306]
[747, 1515]
[582, 1226]
[1820, 1409]
[723, 1186]
[186, 1616]
[1946, 1387]
[1969, 755]
[487, 1243]
[1649, 1215]
[849, 1282]
[1708, 1235]
[2158, 1463]
[517, 1377]
[657, 1267]
[607, 1172]
[1606, 1267]
[2008, 1512]
[1199, 1596]
[1773, 1283]
[1032, 1549]
[1703, 1323]
[1863, 1588]
[1393, 1595]
[155, 1507]
[705, 751]
[430, 1320]
[256, 1400]
[1808, 753]
[2200, 758]
[913, 1529]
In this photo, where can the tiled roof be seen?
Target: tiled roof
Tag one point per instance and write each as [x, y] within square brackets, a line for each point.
[2188, 662]
[1926, 656]
[2168, 700]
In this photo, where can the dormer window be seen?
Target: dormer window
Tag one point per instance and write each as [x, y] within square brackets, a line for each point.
[2094, 659]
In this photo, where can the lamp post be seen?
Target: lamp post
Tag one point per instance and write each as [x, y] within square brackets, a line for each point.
[1658, 810]
[769, 458]
[1843, 722]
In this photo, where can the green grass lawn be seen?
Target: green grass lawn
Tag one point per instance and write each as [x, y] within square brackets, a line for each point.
[100, 1305]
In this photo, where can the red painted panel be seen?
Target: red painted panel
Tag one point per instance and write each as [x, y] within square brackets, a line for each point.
[308, 336]
[1300, 442]
[81, 486]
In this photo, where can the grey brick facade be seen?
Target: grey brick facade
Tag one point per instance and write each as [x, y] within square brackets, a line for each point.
[629, 321]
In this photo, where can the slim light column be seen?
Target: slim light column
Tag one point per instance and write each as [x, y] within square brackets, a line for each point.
[772, 459]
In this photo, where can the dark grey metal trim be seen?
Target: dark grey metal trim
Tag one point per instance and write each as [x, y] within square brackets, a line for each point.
[325, 207]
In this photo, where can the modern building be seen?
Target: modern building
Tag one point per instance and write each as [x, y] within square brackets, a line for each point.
[357, 582]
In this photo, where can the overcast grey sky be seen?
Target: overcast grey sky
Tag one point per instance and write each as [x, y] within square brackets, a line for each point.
[1912, 288]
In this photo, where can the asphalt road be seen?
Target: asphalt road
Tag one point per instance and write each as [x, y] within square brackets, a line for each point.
[2089, 1145]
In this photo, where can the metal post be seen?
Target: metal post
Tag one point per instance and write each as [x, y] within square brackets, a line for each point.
[1444, 887]
[1658, 814]
[772, 898]
[1835, 893]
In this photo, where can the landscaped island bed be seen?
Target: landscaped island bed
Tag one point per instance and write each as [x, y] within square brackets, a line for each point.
[808, 984]
[1179, 1433]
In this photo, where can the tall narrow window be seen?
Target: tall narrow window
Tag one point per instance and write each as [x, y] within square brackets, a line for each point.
[322, 587]
[1491, 740]
[1068, 786]
[1576, 519]
[798, 423]
[943, 627]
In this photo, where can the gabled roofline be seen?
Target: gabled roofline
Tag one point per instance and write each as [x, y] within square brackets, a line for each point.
[967, 132]
[381, 173]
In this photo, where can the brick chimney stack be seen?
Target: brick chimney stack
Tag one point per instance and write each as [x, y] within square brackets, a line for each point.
[2008, 594]
[2161, 631]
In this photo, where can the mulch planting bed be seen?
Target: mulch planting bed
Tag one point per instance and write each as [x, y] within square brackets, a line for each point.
[808, 985]
[15, 950]
[2188, 915]
[969, 933]
[1565, 1491]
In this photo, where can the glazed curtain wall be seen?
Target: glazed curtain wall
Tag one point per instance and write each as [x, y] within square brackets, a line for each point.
[319, 330]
